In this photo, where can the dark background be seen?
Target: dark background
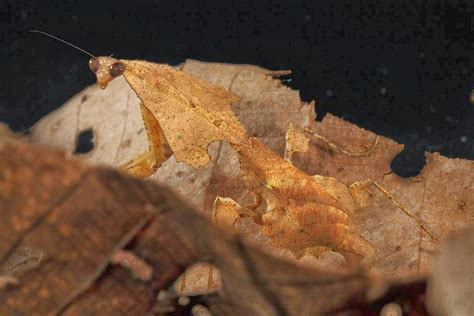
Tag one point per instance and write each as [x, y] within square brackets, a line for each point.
[401, 69]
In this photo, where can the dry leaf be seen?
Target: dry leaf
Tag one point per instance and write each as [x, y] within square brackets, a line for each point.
[84, 216]
[267, 108]
[442, 196]
[120, 135]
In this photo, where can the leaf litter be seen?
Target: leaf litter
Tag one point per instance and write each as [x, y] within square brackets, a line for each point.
[267, 109]
[100, 211]
[441, 195]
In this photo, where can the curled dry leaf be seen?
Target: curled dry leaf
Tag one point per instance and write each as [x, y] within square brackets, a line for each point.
[442, 195]
[80, 217]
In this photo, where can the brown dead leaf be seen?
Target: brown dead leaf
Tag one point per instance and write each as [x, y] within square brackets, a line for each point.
[442, 195]
[82, 217]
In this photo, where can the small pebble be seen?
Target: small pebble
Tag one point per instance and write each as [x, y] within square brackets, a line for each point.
[391, 309]
[183, 300]
[162, 295]
[200, 310]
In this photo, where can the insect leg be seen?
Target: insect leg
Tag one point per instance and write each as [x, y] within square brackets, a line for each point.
[147, 163]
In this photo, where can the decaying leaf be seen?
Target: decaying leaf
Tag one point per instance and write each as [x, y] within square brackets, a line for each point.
[121, 136]
[266, 109]
[190, 113]
[442, 196]
[83, 216]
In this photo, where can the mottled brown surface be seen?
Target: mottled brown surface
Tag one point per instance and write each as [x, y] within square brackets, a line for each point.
[442, 195]
[83, 215]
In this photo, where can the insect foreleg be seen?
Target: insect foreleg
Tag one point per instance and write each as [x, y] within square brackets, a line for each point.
[147, 163]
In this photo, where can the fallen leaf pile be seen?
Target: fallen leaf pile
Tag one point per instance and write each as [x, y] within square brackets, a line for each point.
[81, 217]
[442, 195]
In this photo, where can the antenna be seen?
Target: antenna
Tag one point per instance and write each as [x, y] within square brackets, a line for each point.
[61, 40]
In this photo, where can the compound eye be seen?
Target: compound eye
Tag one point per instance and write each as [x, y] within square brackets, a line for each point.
[116, 69]
[94, 65]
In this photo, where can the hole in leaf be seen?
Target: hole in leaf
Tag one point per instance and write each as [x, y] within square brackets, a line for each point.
[319, 116]
[84, 142]
[409, 162]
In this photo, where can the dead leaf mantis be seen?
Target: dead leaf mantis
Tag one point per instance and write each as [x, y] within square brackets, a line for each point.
[184, 114]
[306, 214]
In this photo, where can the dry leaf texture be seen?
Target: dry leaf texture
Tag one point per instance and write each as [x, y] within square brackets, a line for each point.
[442, 195]
[81, 217]
[176, 99]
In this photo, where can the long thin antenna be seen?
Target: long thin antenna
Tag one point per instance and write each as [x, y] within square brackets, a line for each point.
[61, 40]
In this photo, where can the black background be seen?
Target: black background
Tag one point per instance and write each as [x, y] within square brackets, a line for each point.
[421, 53]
